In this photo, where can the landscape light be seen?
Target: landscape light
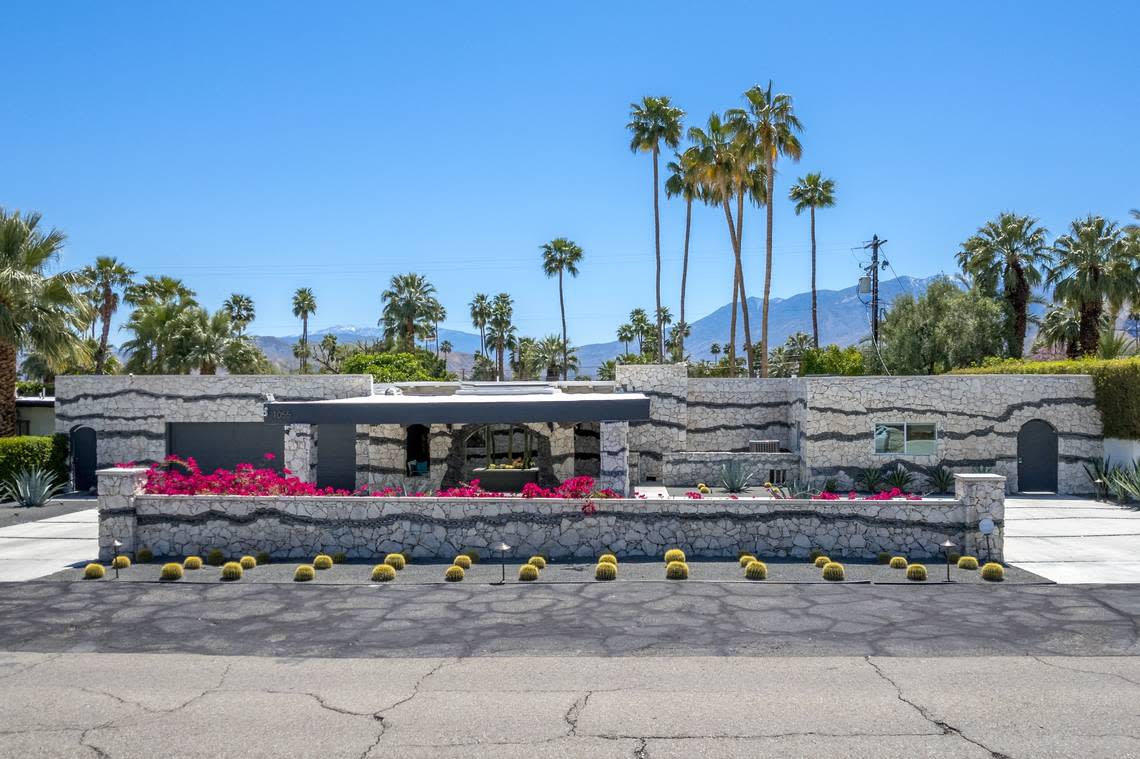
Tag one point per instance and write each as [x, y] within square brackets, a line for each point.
[948, 546]
[502, 548]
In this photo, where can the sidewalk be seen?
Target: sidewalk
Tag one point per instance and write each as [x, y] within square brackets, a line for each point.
[36, 549]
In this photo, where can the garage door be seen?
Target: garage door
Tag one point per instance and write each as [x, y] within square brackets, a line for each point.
[224, 445]
[336, 456]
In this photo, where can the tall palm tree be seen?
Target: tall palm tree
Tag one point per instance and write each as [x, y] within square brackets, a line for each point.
[772, 122]
[1060, 328]
[206, 339]
[685, 180]
[39, 312]
[501, 331]
[445, 348]
[438, 314]
[409, 308]
[480, 309]
[652, 122]
[158, 289]
[1093, 266]
[304, 304]
[639, 320]
[108, 277]
[239, 308]
[561, 256]
[811, 192]
[625, 336]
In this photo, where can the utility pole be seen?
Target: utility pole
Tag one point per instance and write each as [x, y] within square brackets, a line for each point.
[873, 272]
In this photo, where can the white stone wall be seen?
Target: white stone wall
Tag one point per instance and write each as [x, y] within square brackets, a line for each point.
[301, 452]
[666, 385]
[688, 468]
[725, 413]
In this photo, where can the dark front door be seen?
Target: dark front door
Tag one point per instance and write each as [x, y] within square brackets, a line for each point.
[83, 458]
[336, 456]
[1037, 458]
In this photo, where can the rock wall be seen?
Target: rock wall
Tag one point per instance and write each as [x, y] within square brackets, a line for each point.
[723, 414]
[688, 468]
[666, 385]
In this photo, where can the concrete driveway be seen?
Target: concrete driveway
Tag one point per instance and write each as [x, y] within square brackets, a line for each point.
[1073, 540]
[36, 549]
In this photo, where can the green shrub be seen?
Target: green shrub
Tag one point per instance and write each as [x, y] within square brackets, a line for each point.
[171, 572]
[993, 572]
[833, 571]
[605, 571]
[473, 555]
[821, 561]
[247, 562]
[463, 561]
[93, 572]
[968, 562]
[215, 557]
[883, 558]
[528, 573]
[304, 573]
[262, 557]
[121, 562]
[322, 561]
[815, 554]
[898, 562]
[756, 570]
[537, 562]
[900, 477]
[677, 570]
[916, 572]
[674, 555]
[608, 558]
[397, 367]
[192, 562]
[383, 573]
[747, 559]
[454, 573]
[143, 555]
[395, 561]
[341, 557]
[27, 452]
[231, 570]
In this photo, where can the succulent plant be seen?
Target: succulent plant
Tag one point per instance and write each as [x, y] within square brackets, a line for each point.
[898, 562]
[462, 561]
[322, 561]
[756, 570]
[340, 557]
[121, 562]
[192, 562]
[900, 477]
[537, 562]
[830, 485]
[231, 571]
[941, 479]
[215, 557]
[262, 557]
[821, 561]
[747, 559]
[171, 572]
[383, 573]
[32, 487]
[454, 573]
[735, 476]
[833, 571]
[605, 571]
[395, 560]
[968, 562]
[883, 558]
[608, 558]
[93, 572]
[473, 555]
[869, 479]
[143, 555]
[304, 573]
[674, 554]
[528, 573]
[916, 572]
[247, 562]
[993, 572]
[676, 570]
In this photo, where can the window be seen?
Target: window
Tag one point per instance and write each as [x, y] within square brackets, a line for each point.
[905, 438]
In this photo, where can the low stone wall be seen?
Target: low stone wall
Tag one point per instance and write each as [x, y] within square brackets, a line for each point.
[367, 528]
[687, 468]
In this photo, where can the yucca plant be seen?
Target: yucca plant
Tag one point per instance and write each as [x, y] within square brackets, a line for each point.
[941, 479]
[735, 476]
[830, 485]
[900, 477]
[869, 479]
[33, 487]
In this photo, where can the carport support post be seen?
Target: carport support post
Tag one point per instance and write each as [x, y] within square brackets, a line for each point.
[614, 449]
[301, 451]
[117, 490]
[982, 496]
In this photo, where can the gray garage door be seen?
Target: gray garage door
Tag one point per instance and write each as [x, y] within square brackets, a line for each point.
[224, 445]
[336, 456]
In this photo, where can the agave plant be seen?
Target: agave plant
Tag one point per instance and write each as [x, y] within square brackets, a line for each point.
[1098, 475]
[941, 479]
[830, 485]
[869, 479]
[33, 487]
[735, 476]
[900, 477]
[1124, 482]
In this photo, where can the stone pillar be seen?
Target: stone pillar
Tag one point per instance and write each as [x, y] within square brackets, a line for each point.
[362, 469]
[614, 465]
[301, 451]
[117, 488]
[982, 496]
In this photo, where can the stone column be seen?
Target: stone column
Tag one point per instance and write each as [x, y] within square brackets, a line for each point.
[614, 466]
[301, 451]
[362, 469]
[117, 489]
[982, 496]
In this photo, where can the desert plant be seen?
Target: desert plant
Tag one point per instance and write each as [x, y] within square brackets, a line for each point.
[869, 478]
[898, 562]
[607, 558]
[322, 561]
[674, 554]
[262, 557]
[231, 571]
[528, 573]
[993, 572]
[605, 571]
[941, 479]
[171, 572]
[395, 560]
[473, 555]
[830, 485]
[341, 557]
[821, 561]
[454, 573]
[968, 562]
[407, 556]
[916, 572]
[833, 571]
[537, 562]
[883, 558]
[462, 561]
[304, 573]
[247, 562]
[735, 476]
[814, 554]
[93, 572]
[121, 562]
[215, 557]
[746, 559]
[756, 570]
[143, 555]
[192, 562]
[900, 477]
[383, 573]
[33, 487]
[676, 570]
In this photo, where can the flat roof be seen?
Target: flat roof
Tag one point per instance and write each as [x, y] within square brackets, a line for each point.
[487, 408]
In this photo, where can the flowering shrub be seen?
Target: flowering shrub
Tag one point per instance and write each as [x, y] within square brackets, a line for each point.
[883, 495]
[575, 487]
[694, 495]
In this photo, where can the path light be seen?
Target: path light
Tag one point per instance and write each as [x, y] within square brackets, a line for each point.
[502, 548]
[115, 548]
[947, 547]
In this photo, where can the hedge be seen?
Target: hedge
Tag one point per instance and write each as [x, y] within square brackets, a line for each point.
[18, 454]
[1117, 383]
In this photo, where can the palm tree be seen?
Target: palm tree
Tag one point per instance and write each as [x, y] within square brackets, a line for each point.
[639, 319]
[239, 308]
[1060, 328]
[773, 124]
[205, 339]
[651, 122]
[811, 192]
[39, 312]
[714, 348]
[409, 308]
[480, 307]
[625, 336]
[1093, 266]
[108, 276]
[158, 289]
[304, 304]
[562, 256]
[438, 314]
[501, 331]
[685, 180]
[1010, 251]
[445, 348]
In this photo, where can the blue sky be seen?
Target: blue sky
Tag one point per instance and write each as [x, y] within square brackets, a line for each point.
[260, 147]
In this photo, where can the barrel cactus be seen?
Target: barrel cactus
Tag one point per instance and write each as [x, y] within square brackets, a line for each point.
[395, 560]
[605, 571]
[247, 562]
[821, 561]
[304, 573]
[454, 573]
[538, 562]
[916, 573]
[383, 573]
[746, 559]
[93, 572]
[215, 557]
[968, 562]
[322, 561]
[674, 554]
[143, 555]
[171, 572]
[263, 558]
[677, 570]
[192, 563]
[607, 558]
[883, 558]
[231, 571]
[756, 570]
[833, 571]
[463, 561]
[339, 557]
[528, 573]
[993, 572]
[121, 562]
[899, 562]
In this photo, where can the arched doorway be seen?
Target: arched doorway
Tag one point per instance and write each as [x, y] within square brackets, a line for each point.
[1037, 457]
[83, 458]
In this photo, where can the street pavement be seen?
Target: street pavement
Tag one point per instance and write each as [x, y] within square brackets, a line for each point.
[1073, 540]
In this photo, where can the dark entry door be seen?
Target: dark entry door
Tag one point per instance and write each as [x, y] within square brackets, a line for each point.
[1037, 457]
[83, 457]
[336, 456]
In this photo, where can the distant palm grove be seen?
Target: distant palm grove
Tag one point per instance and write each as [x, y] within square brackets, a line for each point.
[1076, 293]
